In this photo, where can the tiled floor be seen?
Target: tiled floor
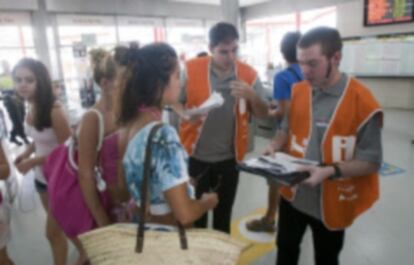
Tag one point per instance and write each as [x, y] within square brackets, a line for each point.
[383, 236]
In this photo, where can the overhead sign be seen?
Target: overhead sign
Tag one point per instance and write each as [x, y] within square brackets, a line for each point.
[83, 20]
[139, 21]
[14, 18]
[185, 23]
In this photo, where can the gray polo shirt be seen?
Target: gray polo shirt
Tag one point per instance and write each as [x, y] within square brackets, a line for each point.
[368, 146]
[216, 142]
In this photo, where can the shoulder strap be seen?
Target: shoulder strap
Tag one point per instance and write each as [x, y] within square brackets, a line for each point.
[72, 141]
[101, 128]
[144, 197]
[295, 74]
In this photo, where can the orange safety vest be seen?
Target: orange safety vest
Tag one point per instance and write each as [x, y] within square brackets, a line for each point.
[198, 91]
[343, 199]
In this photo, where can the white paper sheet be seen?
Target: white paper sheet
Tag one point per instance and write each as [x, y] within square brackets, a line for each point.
[215, 100]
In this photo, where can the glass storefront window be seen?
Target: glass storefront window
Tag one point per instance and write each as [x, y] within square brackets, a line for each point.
[267, 34]
[187, 36]
[17, 37]
[77, 35]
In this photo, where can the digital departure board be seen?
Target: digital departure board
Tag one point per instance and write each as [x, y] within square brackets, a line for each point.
[382, 12]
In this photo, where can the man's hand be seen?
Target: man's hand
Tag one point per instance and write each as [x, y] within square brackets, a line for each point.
[273, 110]
[209, 200]
[317, 174]
[269, 150]
[241, 89]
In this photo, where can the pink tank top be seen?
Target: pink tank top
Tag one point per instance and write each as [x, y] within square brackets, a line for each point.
[109, 158]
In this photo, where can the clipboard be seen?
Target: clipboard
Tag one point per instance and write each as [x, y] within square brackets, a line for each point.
[282, 168]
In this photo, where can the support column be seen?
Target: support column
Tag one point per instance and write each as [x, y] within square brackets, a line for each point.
[40, 21]
[231, 12]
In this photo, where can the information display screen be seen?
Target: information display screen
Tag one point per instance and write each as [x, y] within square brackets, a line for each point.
[382, 12]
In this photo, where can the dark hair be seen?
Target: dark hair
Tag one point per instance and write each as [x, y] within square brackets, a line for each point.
[288, 46]
[328, 38]
[144, 79]
[43, 96]
[120, 54]
[103, 65]
[222, 32]
[121, 51]
[202, 54]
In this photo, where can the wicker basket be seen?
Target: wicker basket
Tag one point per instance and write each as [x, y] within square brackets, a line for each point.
[115, 245]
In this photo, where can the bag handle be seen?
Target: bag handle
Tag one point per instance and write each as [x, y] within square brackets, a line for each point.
[72, 141]
[101, 129]
[100, 182]
[144, 198]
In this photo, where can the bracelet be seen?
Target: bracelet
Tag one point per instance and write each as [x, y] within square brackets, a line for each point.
[338, 171]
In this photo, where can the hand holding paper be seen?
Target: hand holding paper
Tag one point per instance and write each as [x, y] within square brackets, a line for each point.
[214, 101]
[241, 90]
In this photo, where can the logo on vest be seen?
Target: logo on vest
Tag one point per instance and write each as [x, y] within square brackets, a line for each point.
[297, 147]
[343, 148]
[347, 193]
[348, 198]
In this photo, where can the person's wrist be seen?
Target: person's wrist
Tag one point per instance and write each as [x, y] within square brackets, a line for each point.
[250, 95]
[30, 162]
[333, 171]
[273, 147]
[204, 205]
[330, 171]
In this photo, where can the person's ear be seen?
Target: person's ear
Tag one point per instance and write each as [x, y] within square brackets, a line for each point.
[337, 58]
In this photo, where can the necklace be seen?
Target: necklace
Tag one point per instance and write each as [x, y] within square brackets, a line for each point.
[155, 112]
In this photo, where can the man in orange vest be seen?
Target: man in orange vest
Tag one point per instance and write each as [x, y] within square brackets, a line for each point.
[333, 119]
[216, 142]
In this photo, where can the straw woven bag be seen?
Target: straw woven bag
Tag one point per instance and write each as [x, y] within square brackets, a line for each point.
[114, 245]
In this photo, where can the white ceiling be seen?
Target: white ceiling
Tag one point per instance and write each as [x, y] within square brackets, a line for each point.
[217, 2]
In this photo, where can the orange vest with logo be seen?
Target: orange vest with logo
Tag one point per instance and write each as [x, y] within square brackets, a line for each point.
[198, 91]
[343, 199]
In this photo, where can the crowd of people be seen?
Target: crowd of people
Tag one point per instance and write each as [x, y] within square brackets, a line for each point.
[324, 114]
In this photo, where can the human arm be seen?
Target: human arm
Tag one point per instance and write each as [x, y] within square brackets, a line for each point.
[367, 158]
[348, 169]
[280, 141]
[27, 153]
[180, 106]
[281, 95]
[60, 123]
[253, 95]
[185, 209]
[173, 177]
[60, 126]
[4, 164]
[87, 157]
[280, 109]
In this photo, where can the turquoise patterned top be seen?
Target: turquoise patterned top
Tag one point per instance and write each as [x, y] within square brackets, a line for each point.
[169, 165]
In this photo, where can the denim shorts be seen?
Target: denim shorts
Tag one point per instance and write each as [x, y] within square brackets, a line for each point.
[40, 187]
